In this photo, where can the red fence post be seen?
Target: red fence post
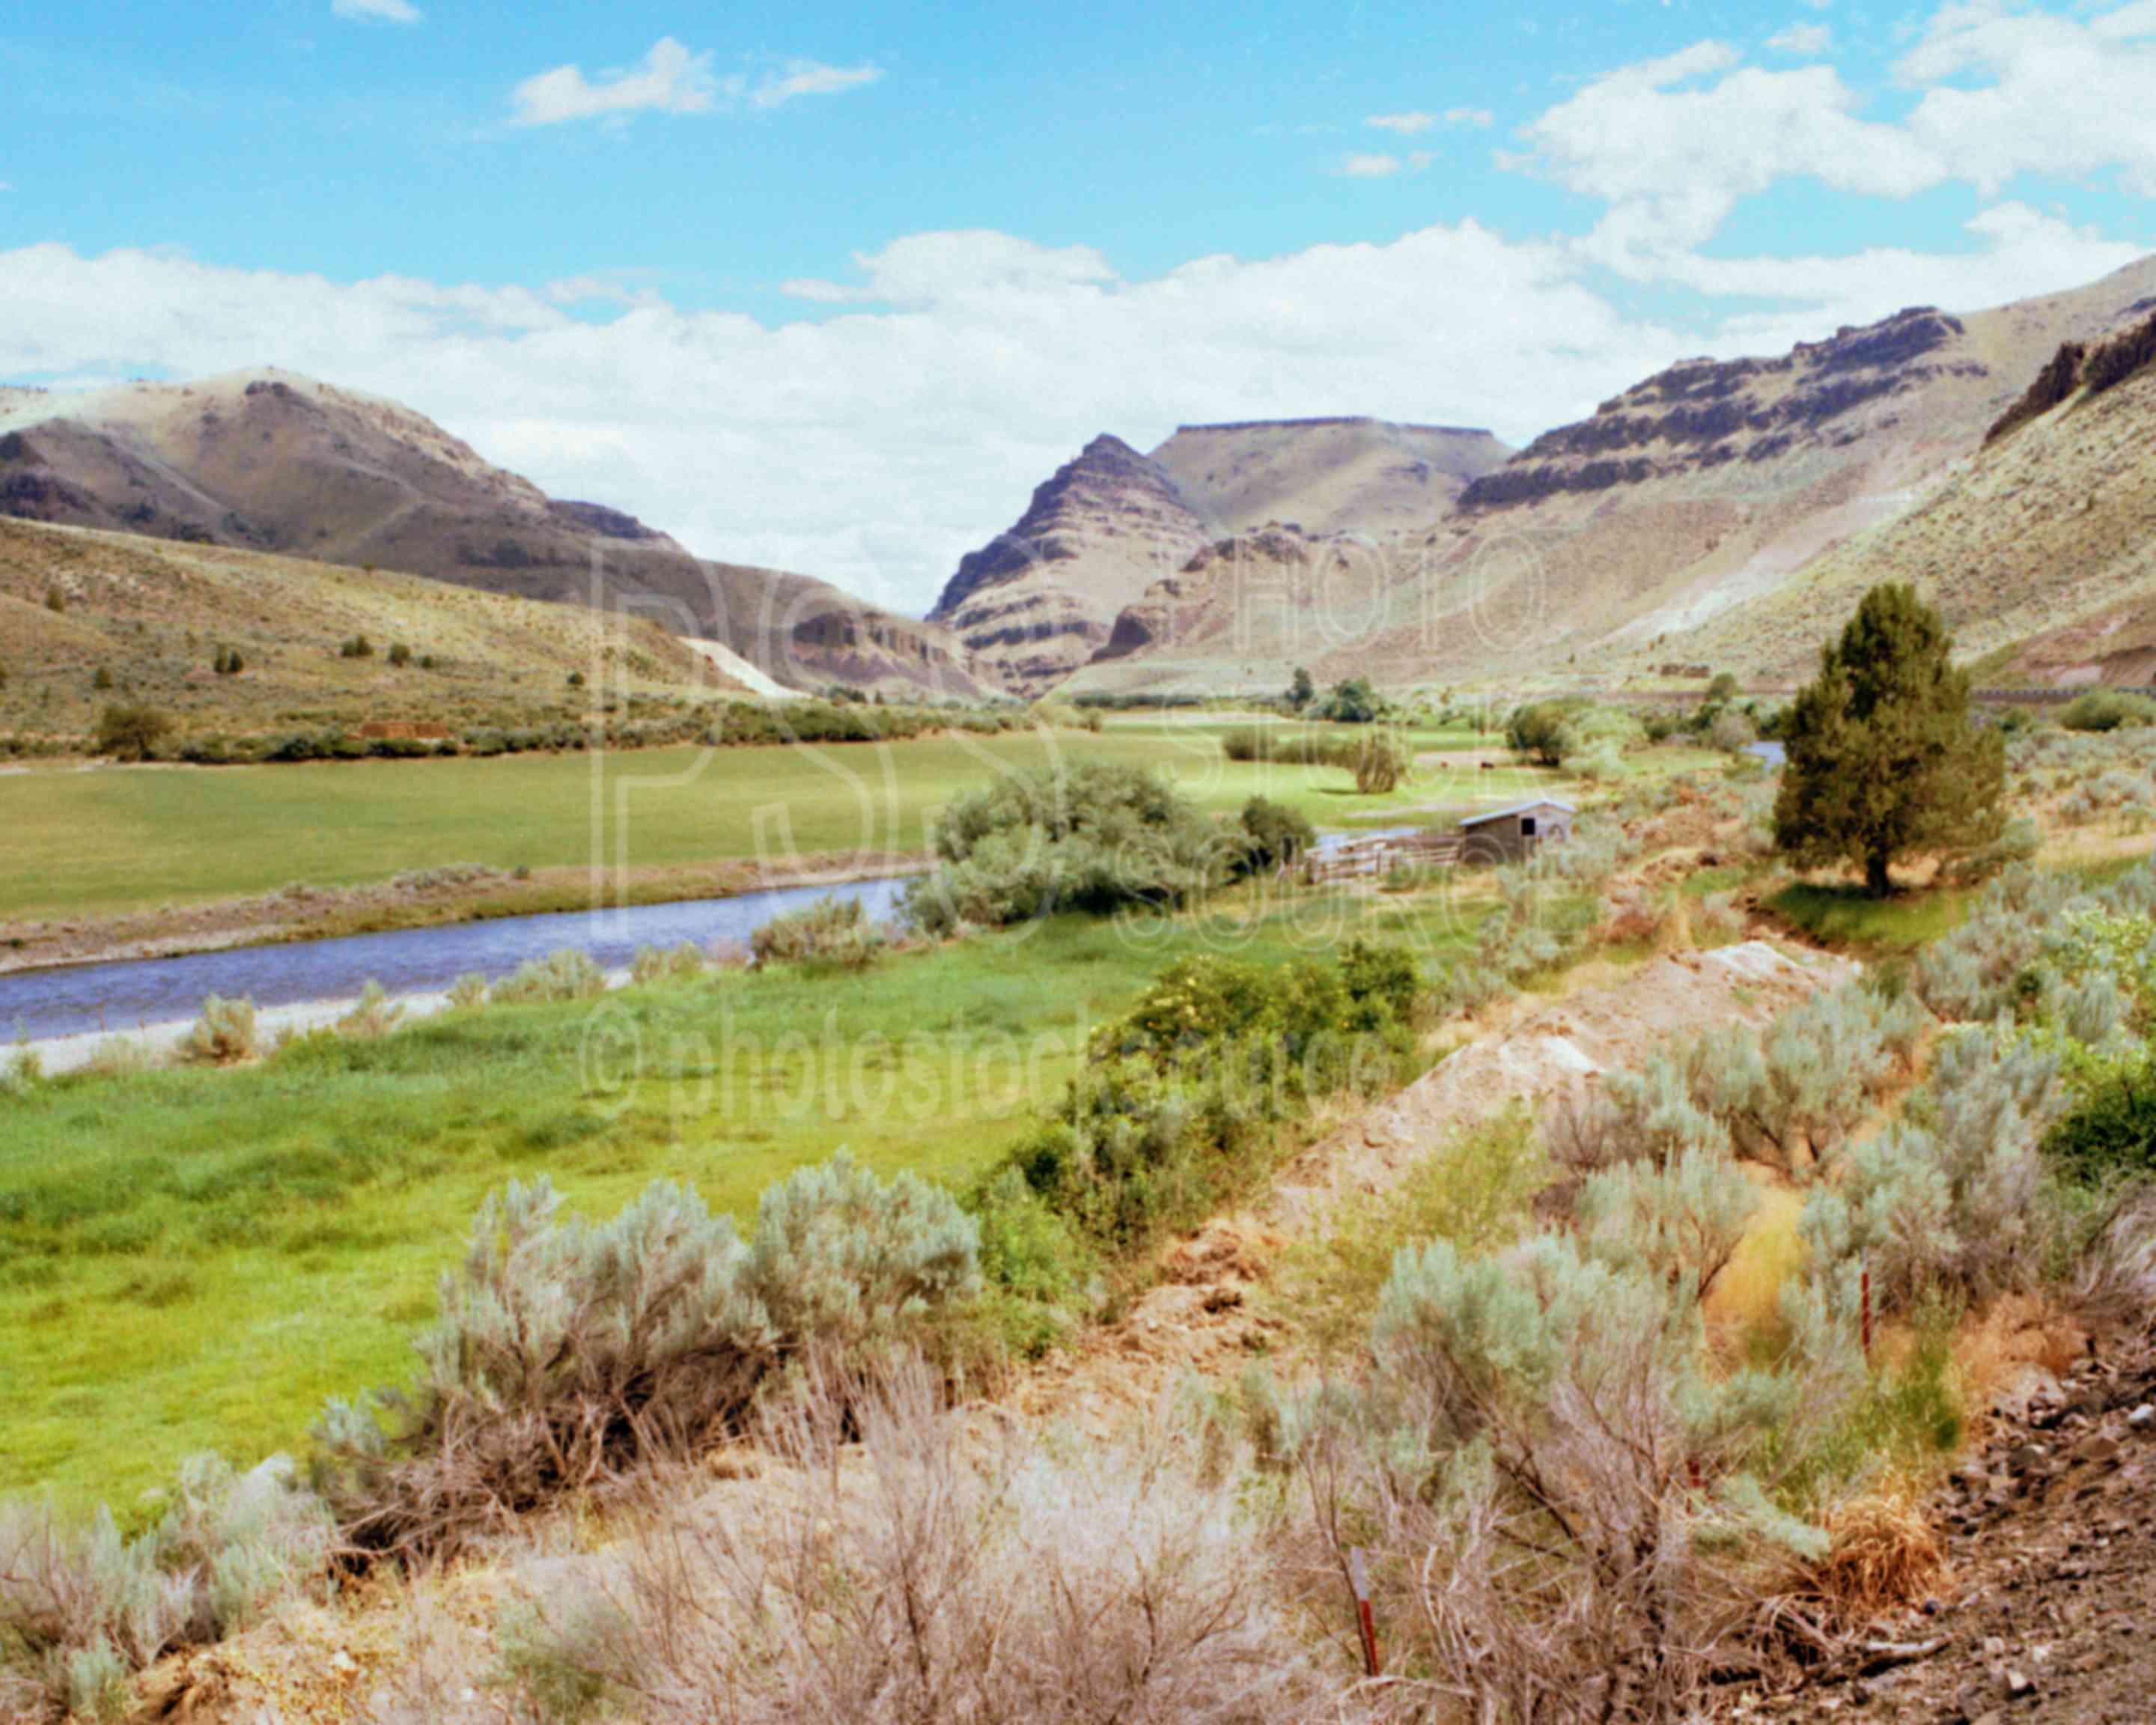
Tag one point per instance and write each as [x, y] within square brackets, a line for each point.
[1366, 1620]
[1867, 1284]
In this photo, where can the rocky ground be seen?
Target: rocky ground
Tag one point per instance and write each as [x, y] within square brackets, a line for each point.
[2048, 1614]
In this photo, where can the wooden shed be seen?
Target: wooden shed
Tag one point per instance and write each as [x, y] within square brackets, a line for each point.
[1506, 835]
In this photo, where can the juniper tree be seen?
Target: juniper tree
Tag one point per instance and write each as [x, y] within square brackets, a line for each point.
[1882, 760]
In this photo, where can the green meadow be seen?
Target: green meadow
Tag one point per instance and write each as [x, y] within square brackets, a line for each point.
[195, 1260]
[80, 843]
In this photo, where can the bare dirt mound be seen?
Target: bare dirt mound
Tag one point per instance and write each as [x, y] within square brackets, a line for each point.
[2049, 1616]
[1199, 1319]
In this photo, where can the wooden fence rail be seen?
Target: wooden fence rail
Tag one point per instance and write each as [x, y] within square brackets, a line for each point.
[1374, 858]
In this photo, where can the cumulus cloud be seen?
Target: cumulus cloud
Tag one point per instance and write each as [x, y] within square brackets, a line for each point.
[907, 419]
[2008, 92]
[1672, 144]
[393, 12]
[873, 447]
[1805, 41]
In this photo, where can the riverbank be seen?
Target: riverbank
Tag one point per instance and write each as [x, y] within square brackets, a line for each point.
[423, 898]
[205, 1256]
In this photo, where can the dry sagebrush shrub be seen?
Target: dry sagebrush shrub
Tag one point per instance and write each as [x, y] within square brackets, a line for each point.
[924, 1574]
[223, 1035]
[657, 964]
[373, 1014]
[568, 1351]
[567, 974]
[1567, 1516]
[1954, 1196]
[83, 1608]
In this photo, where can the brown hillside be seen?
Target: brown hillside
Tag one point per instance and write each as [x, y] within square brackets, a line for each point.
[269, 461]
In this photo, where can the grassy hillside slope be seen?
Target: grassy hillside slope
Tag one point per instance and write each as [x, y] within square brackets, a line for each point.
[151, 614]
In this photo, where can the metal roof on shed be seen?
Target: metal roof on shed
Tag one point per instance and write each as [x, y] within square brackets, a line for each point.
[1476, 820]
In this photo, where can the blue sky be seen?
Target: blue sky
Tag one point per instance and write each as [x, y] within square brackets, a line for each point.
[831, 287]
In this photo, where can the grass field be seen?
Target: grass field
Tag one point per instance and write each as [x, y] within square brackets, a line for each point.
[76, 842]
[194, 1260]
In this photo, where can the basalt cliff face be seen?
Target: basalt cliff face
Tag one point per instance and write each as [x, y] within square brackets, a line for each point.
[1703, 414]
[1038, 601]
[1044, 598]
[1690, 517]
[2040, 551]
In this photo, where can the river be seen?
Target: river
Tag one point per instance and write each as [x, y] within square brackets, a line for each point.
[70, 1000]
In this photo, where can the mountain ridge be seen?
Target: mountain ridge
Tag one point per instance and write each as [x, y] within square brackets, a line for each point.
[268, 461]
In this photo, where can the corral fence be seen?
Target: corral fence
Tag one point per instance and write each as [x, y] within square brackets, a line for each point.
[1379, 855]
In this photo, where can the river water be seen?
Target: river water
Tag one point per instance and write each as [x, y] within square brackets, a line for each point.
[71, 999]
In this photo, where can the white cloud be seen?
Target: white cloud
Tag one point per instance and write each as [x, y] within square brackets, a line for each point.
[940, 379]
[604, 289]
[1805, 41]
[393, 12]
[2019, 253]
[810, 78]
[1673, 145]
[2015, 92]
[969, 264]
[876, 446]
[671, 80]
[1408, 125]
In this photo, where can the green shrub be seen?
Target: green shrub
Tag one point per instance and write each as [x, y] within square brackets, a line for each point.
[23, 1072]
[1183, 1097]
[1283, 742]
[1541, 730]
[1953, 1196]
[130, 733]
[1379, 765]
[1731, 731]
[468, 993]
[1475, 1192]
[1278, 836]
[1352, 701]
[2107, 709]
[2112, 1132]
[1097, 838]
[556, 1653]
[832, 932]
